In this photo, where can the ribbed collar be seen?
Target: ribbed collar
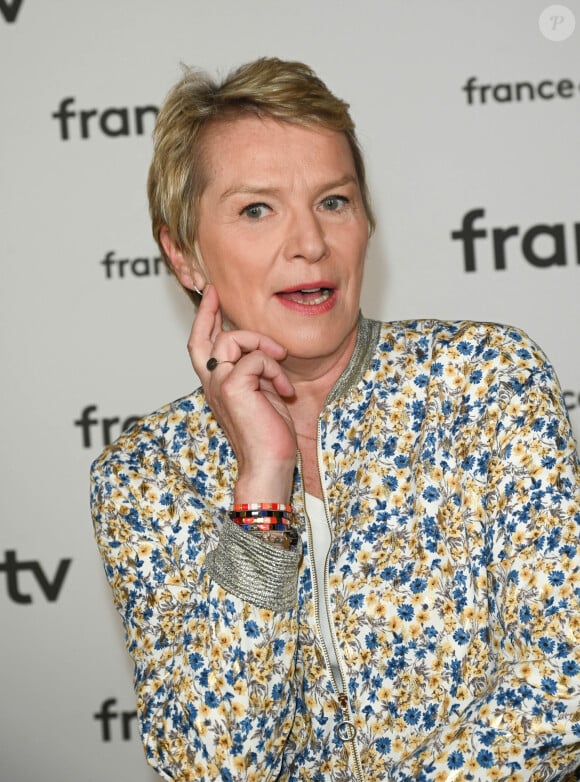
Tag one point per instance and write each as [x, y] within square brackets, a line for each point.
[367, 338]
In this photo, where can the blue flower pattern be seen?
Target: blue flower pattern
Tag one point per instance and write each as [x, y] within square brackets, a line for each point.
[452, 481]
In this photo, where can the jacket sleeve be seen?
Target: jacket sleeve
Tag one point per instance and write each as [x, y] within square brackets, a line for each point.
[213, 668]
[526, 725]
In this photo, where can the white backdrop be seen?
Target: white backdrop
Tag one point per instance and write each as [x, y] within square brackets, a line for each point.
[108, 338]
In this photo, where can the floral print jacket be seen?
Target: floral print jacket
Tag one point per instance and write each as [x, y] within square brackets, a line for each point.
[451, 485]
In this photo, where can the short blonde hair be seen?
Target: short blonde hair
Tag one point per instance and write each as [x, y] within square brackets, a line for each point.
[267, 87]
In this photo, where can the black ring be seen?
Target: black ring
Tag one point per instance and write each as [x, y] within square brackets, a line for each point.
[213, 362]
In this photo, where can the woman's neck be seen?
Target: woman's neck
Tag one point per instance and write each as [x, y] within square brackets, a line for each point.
[314, 378]
[307, 403]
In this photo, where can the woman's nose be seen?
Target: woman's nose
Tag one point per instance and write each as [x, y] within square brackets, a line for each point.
[305, 238]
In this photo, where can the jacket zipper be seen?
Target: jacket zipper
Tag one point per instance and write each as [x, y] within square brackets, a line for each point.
[340, 691]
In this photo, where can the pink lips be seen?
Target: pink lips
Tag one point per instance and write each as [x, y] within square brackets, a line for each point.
[309, 298]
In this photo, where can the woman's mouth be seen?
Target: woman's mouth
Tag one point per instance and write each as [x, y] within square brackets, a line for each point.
[308, 296]
[314, 299]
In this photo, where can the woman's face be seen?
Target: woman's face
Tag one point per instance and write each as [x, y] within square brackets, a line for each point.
[282, 232]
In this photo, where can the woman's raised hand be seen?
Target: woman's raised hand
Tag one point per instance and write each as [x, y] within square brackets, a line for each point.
[245, 391]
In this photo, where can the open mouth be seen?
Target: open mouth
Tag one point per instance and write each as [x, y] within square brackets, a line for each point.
[307, 296]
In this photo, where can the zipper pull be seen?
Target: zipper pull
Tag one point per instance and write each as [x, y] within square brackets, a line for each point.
[345, 730]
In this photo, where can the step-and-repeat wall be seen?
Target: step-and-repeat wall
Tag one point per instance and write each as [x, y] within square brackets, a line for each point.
[469, 114]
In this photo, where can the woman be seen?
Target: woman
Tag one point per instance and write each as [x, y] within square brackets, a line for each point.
[352, 553]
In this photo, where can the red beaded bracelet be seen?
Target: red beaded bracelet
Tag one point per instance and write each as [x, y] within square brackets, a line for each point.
[249, 513]
[262, 506]
[260, 514]
[261, 520]
[271, 520]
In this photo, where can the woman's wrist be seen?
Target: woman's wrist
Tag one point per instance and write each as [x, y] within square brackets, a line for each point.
[271, 488]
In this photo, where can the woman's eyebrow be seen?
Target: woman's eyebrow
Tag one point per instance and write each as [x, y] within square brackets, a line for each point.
[347, 179]
[257, 189]
[242, 189]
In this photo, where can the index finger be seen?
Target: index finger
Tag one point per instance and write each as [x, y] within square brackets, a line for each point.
[207, 324]
[207, 330]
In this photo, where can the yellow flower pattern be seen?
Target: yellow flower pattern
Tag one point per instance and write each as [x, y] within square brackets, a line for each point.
[452, 481]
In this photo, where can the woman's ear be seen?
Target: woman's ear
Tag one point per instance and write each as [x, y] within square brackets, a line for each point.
[184, 267]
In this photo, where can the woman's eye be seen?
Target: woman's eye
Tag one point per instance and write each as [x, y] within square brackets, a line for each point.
[334, 203]
[255, 211]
